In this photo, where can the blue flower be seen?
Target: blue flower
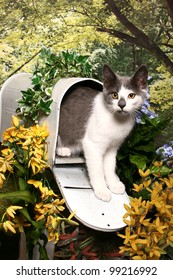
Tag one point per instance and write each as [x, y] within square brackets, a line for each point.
[145, 110]
[166, 151]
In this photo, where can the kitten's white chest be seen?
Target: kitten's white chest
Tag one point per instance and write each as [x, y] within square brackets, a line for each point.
[103, 128]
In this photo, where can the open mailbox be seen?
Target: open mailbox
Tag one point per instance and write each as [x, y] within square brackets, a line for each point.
[70, 173]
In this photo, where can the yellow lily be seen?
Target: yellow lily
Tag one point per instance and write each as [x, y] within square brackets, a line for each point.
[20, 223]
[39, 131]
[8, 225]
[10, 134]
[15, 121]
[36, 164]
[10, 211]
[2, 179]
[37, 184]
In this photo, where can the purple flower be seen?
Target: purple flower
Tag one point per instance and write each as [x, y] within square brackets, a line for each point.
[145, 110]
[166, 151]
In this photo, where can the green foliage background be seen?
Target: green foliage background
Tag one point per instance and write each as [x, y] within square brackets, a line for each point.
[27, 26]
[90, 32]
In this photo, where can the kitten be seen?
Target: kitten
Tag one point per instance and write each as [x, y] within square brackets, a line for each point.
[97, 123]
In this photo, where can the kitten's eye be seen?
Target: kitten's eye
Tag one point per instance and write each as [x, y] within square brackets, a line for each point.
[115, 95]
[131, 95]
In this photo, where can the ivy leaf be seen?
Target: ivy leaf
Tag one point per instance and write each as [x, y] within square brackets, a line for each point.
[45, 105]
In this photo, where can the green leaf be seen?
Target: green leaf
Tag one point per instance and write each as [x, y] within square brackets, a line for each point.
[139, 161]
[37, 224]
[24, 195]
[22, 184]
[163, 170]
[43, 252]
[150, 147]
[21, 168]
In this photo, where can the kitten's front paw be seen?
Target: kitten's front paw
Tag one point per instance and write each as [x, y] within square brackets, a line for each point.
[118, 187]
[63, 152]
[104, 195]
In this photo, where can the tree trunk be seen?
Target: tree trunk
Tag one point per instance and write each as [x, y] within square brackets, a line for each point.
[169, 5]
[139, 37]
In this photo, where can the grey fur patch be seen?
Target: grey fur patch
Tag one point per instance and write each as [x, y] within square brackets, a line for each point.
[75, 111]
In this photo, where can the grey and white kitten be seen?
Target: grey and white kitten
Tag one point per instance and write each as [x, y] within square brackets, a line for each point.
[96, 123]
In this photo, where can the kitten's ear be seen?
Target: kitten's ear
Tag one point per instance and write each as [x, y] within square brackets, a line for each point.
[139, 79]
[109, 77]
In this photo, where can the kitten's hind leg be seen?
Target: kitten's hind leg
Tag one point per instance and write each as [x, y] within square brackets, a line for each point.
[63, 152]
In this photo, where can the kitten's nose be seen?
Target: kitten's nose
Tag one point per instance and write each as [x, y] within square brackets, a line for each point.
[122, 103]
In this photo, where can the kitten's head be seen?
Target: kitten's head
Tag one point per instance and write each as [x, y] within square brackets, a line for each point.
[124, 95]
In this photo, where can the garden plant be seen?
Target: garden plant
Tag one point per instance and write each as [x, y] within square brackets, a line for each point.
[29, 203]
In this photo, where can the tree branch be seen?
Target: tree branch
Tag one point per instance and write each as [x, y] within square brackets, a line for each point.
[121, 35]
[128, 24]
[25, 63]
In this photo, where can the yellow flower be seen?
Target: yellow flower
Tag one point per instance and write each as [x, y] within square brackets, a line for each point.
[53, 222]
[168, 181]
[137, 188]
[158, 163]
[70, 221]
[37, 184]
[15, 121]
[53, 236]
[39, 131]
[170, 196]
[27, 143]
[138, 257]
[7, 152]
[155, 252]
[41, 211]
[10, 211]
[144, 221]
[147, 183]
[20, 223]
[144, 174]
[7, 160]
[56, 206]
[10, 134]
[8, 225]
[2, 179]
[52, 225]
[45, 192]
[170, 238]
[37, 164]
[160, 227]
[128, 236]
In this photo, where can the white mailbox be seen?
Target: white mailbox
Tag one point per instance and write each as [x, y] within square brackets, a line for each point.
[70, 173]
